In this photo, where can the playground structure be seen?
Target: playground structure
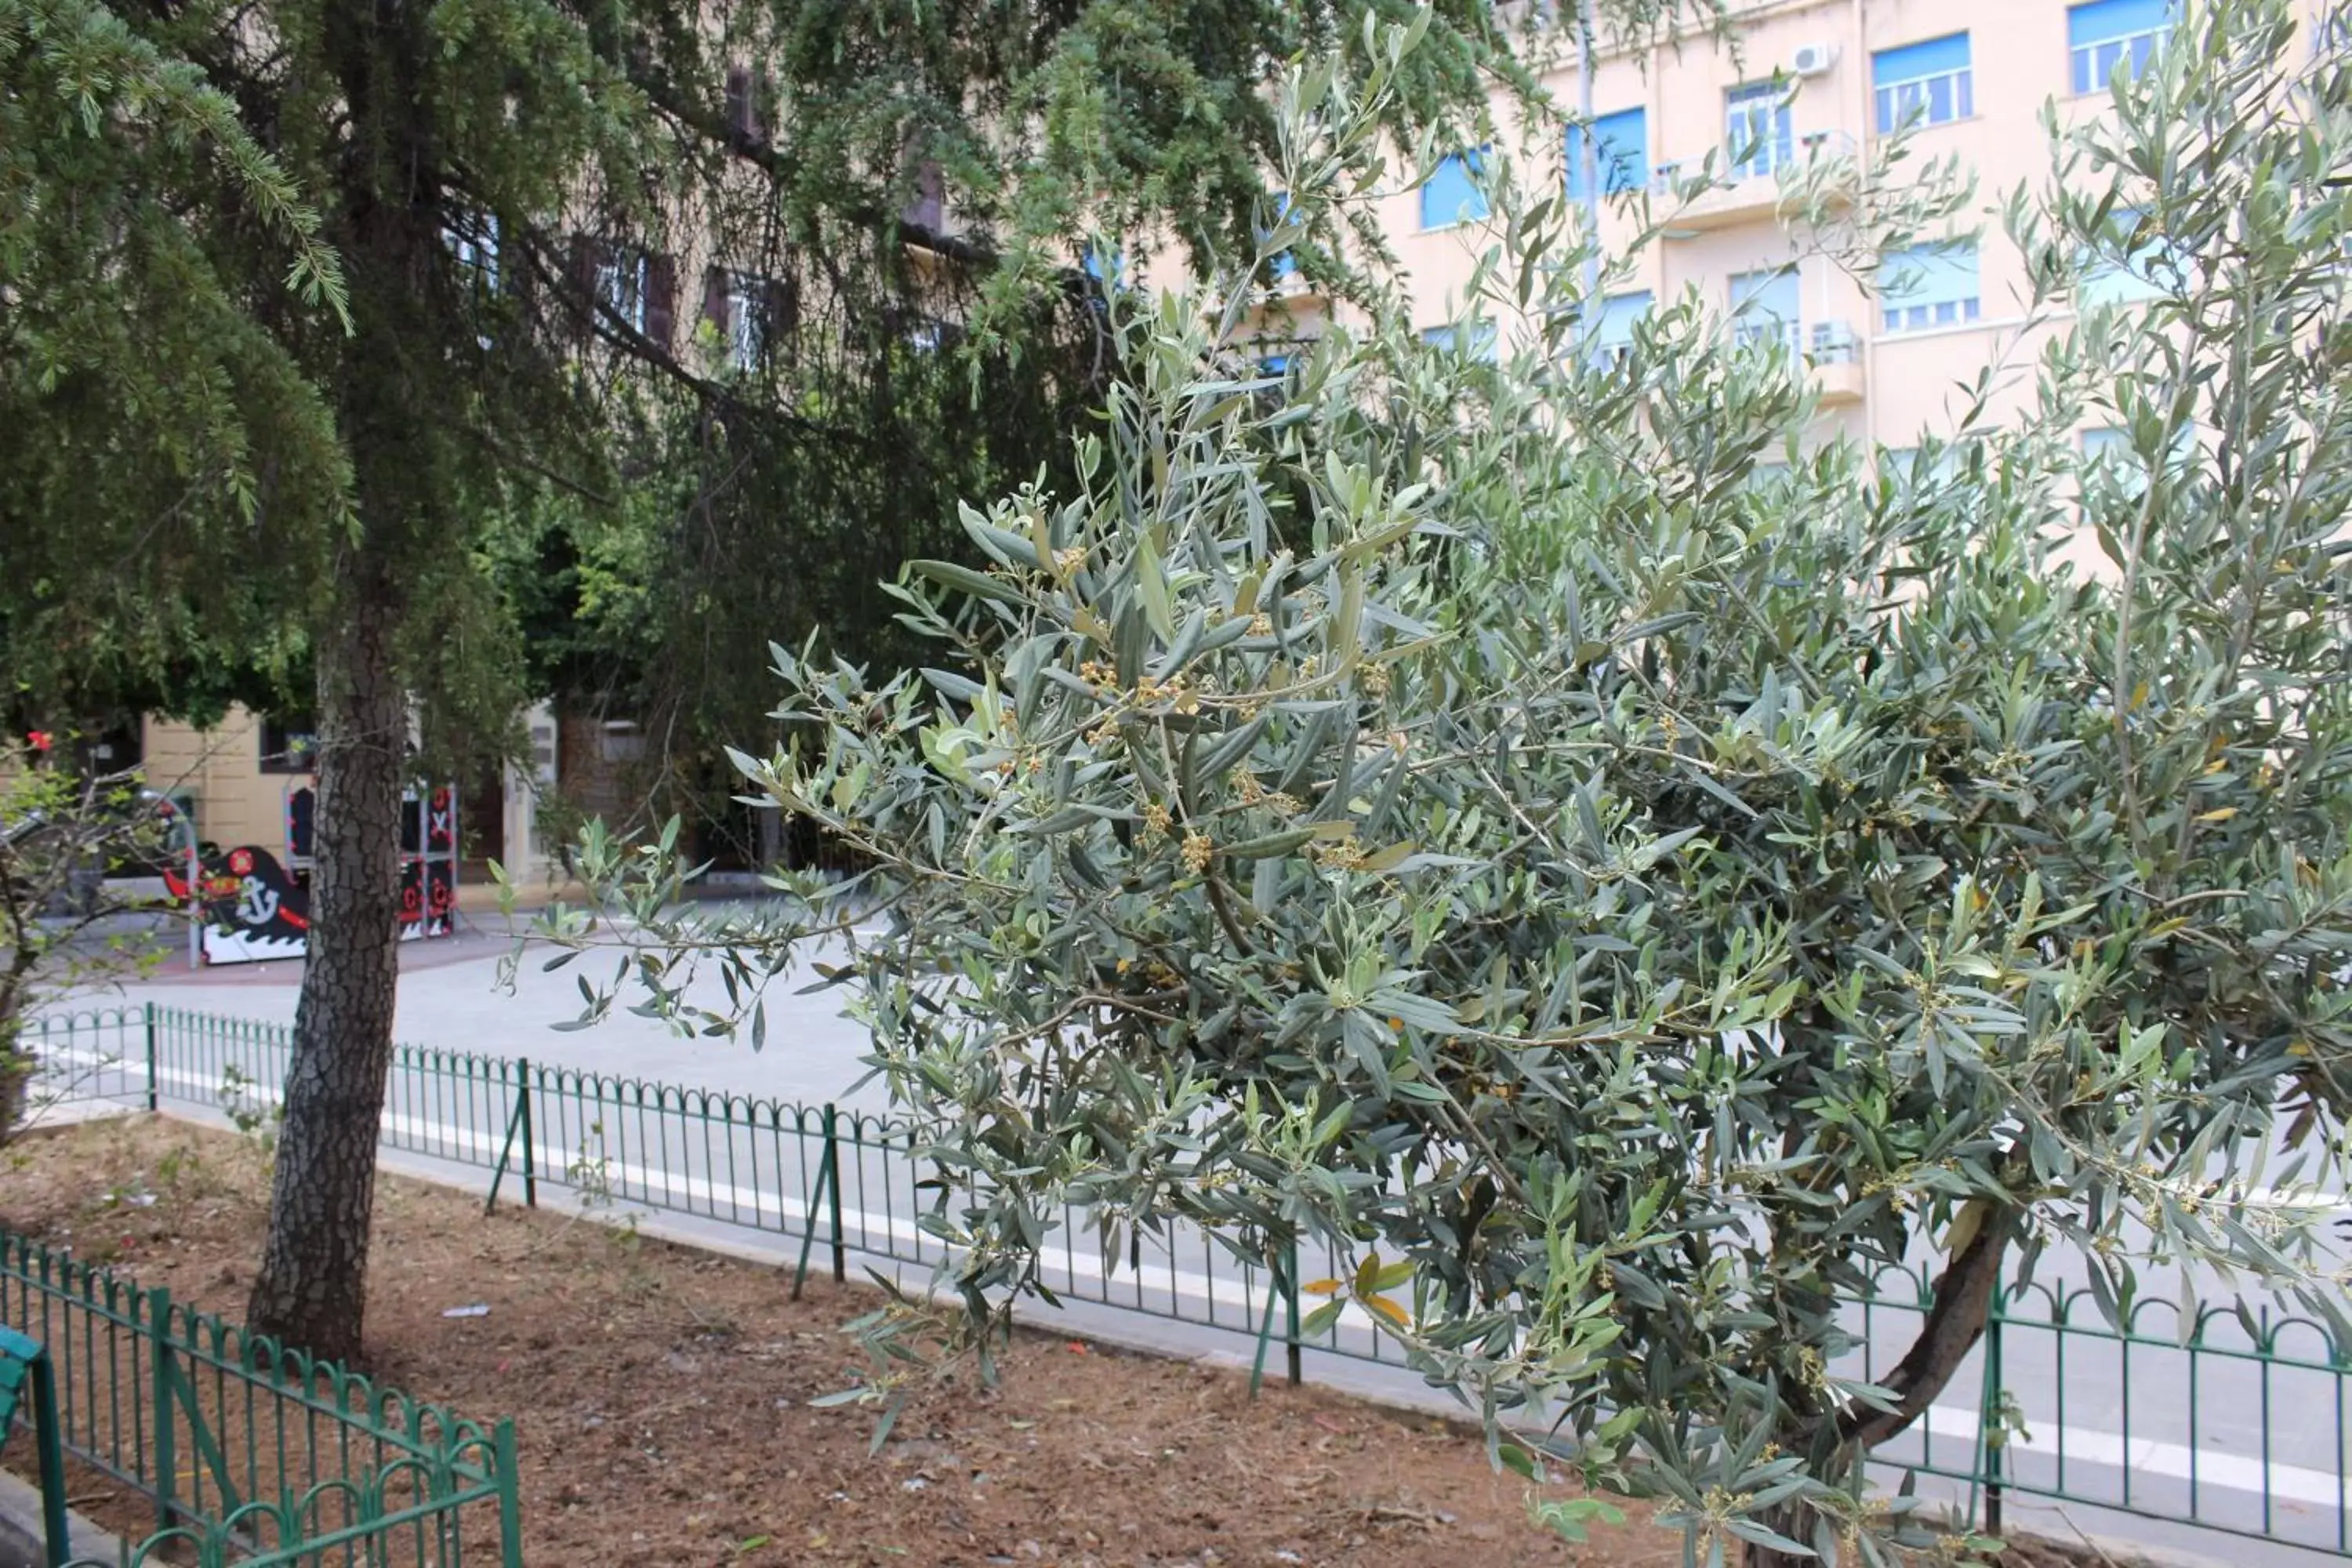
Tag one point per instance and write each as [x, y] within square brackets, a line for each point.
[255, 901]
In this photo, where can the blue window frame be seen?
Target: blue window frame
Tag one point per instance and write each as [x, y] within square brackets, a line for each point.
[2102, 34]
[1929, 82]
[1109, 268]
[1612, 329]
[473, 239]
[1756, 131]
[1282, 264]
[1764, 308]
[2111, 452]
[1482, 340]
[2108, 456]
[1929, 286]
[1621, 151]
[1452, 195]
[2117, 272]
[1902, 467]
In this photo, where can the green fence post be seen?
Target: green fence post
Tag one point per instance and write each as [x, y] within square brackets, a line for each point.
[529, 1161]
[518, 1127]
[1266, 1328]
[163, 1396]
[1992, 1428]
[833, 1191]
[49, 1448]
[502, 1444]
[150, 1011]
[26, 1375]
[1290, 1304]
[808, 1225]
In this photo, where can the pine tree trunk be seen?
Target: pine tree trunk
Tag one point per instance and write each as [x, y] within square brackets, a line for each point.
[312, 1290]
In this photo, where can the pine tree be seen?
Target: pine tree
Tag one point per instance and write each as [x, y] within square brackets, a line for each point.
[217, 478]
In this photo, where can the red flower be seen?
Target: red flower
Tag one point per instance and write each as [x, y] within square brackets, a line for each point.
[41, 740]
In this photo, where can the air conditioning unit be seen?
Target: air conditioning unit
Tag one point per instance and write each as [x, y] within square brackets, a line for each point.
[1812, 59]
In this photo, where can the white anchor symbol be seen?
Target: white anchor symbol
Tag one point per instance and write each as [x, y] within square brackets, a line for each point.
[257, 905]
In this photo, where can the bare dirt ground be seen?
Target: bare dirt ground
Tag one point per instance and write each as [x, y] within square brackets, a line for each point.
[661, 1397]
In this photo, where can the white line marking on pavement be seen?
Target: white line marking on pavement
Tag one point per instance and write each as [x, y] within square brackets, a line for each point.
[2177, 1461]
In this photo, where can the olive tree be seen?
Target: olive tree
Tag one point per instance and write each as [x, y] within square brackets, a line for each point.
[1623, 874]
[66, 926]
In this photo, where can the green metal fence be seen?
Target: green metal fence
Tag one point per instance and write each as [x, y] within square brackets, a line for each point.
[2227, 1421]
[249, 1453]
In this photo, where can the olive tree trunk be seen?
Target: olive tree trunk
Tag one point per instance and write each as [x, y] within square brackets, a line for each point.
[311, 1289]
[1954, 1322]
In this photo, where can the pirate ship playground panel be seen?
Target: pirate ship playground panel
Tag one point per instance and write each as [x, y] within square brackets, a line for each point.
[257, 907]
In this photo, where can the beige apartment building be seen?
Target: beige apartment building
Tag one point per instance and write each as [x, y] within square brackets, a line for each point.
[1801, 79]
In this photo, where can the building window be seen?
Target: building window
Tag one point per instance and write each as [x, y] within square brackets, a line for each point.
[473, 239]
[1481, 340]
[1282, 266]
[927, 208]
[2104, 34]
[1927, 83]
[2118, 269]
[1929, 286]
[930, 334]
[620, 741]
[621, 284]
[741, 307]
[1911, 472]
[2109, 463]
[2109, 455]
[744, 120]
[1108, 269]
[1764, 308]
[636, 287]
[290, 745]
[1452, 195]
[1756, 132]
[1613, 331]
[1620, 152]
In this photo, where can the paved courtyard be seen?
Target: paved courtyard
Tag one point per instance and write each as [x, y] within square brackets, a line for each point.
[450, 998]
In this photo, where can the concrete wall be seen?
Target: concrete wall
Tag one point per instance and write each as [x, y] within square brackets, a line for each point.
[237, 801]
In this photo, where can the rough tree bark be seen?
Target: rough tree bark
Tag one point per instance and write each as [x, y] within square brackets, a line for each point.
[312, 1290]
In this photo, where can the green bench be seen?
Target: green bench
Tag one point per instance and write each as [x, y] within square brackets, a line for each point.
[25, 1374]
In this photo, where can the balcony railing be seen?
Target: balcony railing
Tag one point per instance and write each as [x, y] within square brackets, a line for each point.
[1835, 352]
[1833, 343]
[1750, 188]
[1831, 352]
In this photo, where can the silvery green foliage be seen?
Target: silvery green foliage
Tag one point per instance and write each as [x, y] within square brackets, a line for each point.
[1482, 814]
